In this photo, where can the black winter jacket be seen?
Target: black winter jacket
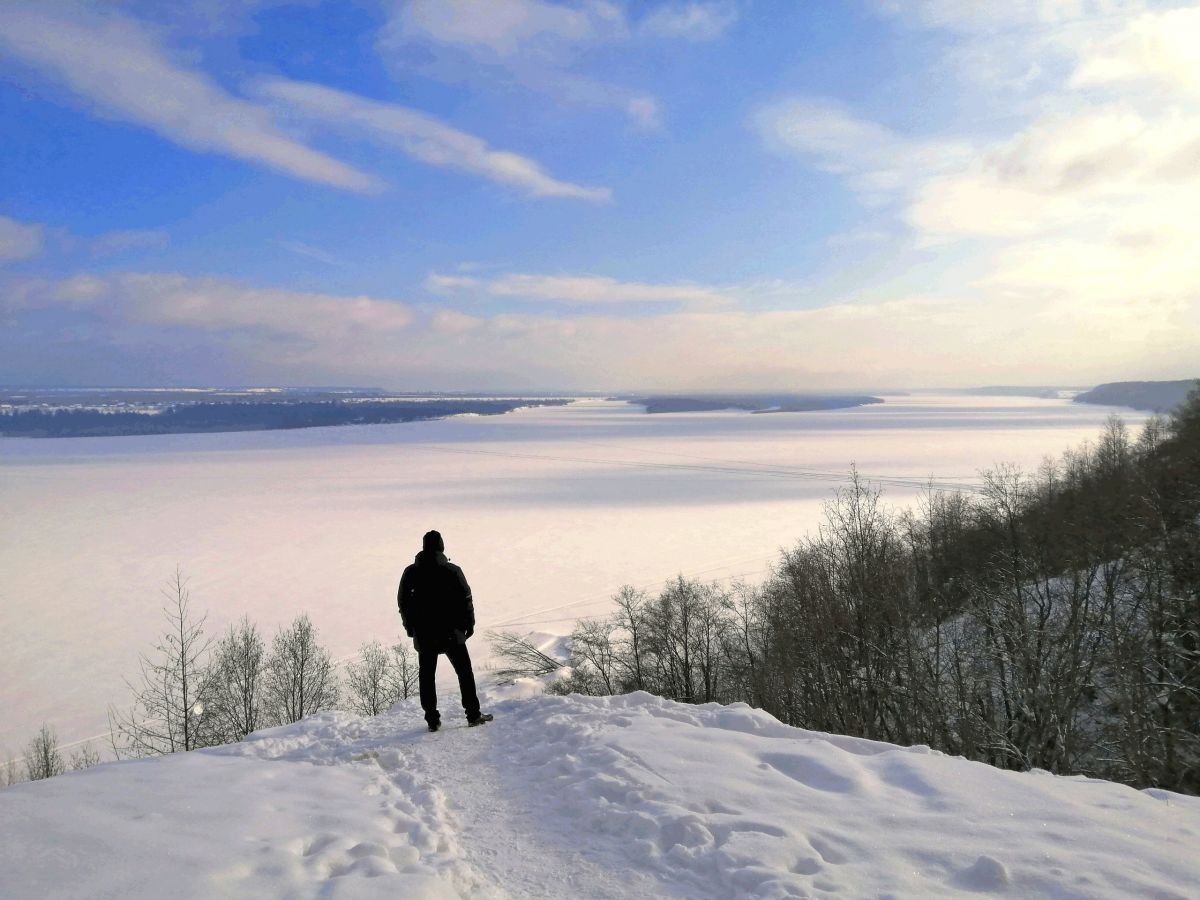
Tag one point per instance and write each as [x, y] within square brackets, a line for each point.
[435, 603]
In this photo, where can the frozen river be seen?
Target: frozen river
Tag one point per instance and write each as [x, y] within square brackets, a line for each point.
[549, 511]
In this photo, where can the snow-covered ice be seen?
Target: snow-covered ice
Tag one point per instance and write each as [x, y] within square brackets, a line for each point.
[548, 510]
[629, 797]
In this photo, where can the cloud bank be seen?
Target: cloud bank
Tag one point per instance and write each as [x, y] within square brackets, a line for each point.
[1081, 216]
[298, 338]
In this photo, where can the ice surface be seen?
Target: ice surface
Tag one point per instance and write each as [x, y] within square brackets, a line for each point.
[549, 511]
[630, 797]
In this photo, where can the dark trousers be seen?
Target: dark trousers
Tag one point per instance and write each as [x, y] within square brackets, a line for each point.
[461, 660]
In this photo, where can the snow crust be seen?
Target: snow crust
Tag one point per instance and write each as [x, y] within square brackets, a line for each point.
[630, 796]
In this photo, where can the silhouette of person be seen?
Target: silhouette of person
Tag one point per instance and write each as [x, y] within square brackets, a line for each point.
[439, 615]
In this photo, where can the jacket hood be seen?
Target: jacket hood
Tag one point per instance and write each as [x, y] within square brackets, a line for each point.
[427, 557]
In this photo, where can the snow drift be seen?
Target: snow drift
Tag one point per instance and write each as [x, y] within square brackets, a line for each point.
[630, 796]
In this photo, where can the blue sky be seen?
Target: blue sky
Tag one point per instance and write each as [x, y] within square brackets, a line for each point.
[666, 194]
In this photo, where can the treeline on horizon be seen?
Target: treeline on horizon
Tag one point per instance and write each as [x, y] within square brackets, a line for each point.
[756, 403]
[246, 416]
[1050, 621]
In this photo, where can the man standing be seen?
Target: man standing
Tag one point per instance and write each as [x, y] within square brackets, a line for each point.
[439, 615]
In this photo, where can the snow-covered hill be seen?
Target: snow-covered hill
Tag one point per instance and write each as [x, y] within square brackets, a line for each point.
[628, 796]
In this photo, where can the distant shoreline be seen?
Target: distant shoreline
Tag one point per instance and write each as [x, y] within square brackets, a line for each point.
[1149, 396]
[665, 405]
[246, 415]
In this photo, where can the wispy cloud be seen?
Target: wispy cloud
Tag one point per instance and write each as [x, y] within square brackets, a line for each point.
[424, 138]
[691, 21]
[215, 305]
[308, 250]
[19, 240]
[984, 16]
[445, 284]
[877, 161]
[577, 289]
[507, 28]
[118, 67]
[114, 242]
[537, 44]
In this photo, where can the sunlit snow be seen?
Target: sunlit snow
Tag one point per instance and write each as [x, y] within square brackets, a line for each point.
[630, 797]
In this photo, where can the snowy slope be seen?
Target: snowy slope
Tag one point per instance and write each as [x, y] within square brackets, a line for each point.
[627, 796]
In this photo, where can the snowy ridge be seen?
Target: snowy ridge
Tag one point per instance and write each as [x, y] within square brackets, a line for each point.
[630, 796]
[729, 798]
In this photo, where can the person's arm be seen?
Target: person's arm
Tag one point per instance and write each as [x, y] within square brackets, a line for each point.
[468, 604]
[402, 605]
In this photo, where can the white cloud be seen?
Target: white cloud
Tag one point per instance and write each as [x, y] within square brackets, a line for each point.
[578, 289]
[1064, 222]
[510, 28]
[218, 305]
[878, 162]
[117, 66]
[506, 27]
[444, 284]
[644, 112]
[1039, 333]
[596, 289]
[692, 21]
[1067, 171]
[113, 242]
[538, 44]
[449, 321]
[19, 240]
[308, 250]
[988, 16]
[424, 138]
[1157, 47]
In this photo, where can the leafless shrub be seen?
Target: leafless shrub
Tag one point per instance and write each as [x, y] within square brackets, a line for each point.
[403, 673]
[299, 675]
[42, 756]
[9, 773]
[380, 677]
[84, 758]
[235, 683]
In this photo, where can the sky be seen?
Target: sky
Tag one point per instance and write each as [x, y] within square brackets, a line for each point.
[597, 194]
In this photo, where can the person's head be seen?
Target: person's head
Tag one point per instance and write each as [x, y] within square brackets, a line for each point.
[432, 542]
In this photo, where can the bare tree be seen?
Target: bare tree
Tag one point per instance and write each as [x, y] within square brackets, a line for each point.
[592, 645]
[299, 676]
[402, 675]
[168, 712]
[371, 680]
[521, 658]
[8, 769]
[630, 621]
[42, 757]
[84, 758]
[235, 695]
